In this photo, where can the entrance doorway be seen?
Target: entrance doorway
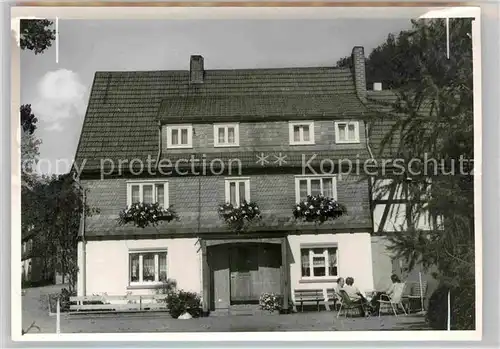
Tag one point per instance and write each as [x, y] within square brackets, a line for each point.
[243, 261]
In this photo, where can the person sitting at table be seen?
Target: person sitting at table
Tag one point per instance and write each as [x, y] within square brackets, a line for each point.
[339, 285]
[396, 284]
[355, 295]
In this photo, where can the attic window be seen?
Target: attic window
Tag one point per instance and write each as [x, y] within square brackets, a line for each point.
[301, 132]
[179, 136]
[347, 132]
[226, 135]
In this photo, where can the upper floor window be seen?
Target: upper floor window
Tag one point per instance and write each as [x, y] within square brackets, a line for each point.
[301, 132]
[237, 190]
[226, 135]
[148, 192]
[179, 136]
[347, 132]
[315, 185]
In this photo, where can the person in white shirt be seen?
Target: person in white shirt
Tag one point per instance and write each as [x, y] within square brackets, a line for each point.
[355, 294]
[395, 286]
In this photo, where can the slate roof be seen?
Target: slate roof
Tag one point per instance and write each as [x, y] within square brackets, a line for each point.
[124, 109]
[250, 160]
[384, 119]
[260, 107]
[106, 226]
[381, 124]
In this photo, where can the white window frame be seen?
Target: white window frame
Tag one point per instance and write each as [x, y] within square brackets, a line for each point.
[237, 180]
[347, 123]
[326, 259]
[236, 127]
[309, 178]
[141, 253]
[292, 124]
[141, 184]
[187, 127]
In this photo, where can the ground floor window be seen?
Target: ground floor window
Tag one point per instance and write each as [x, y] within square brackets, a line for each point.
[319, 262]
[148, 267]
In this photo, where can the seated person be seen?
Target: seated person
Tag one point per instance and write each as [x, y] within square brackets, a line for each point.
[355, 294]
[340, 284]
[395, 286]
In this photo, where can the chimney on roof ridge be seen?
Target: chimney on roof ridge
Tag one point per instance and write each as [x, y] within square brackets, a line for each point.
[196, 69]
[358, 60]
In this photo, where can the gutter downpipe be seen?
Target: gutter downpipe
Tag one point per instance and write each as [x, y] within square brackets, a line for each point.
[371, 181]
[157, 165]
[84, 245]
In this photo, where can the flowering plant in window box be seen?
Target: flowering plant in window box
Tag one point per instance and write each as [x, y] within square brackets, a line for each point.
[142, 214]
[318, 209]
[237, 216]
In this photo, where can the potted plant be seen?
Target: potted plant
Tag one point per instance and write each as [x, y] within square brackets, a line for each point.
[271, 302]
[142, 215]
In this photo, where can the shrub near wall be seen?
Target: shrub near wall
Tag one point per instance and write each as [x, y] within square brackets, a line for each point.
[181, 301]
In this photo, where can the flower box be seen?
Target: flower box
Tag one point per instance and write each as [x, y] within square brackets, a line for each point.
[318, 209]
[142, 214]
[237, 216]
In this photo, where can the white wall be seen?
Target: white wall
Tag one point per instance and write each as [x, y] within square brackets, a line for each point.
[354, 259]
[80, 280]
[108, 264]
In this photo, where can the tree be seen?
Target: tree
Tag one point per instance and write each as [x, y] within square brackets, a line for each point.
[28, 119]
[36, 35]
[344, 62]
[433, 116]
[29, 158]
[54, 208]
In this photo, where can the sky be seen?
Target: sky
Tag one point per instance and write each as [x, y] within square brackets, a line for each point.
[58, 91]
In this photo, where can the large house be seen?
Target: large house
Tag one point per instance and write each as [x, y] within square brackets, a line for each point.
[198, 138]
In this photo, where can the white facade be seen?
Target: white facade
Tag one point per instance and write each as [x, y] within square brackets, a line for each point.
[107, 267]
[354, 259]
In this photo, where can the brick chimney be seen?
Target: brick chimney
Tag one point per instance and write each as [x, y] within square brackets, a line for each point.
[358, 59]
[196, 70]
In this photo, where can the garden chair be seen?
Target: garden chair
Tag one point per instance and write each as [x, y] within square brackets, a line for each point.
[339, 298]
[395, 301]
[347, 303]
[417, 295]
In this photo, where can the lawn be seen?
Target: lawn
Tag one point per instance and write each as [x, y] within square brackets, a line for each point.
[35, 310]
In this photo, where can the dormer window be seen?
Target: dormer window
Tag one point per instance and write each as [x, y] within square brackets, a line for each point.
[301, 132]
[179, 136]
[347, 132]
[226, 135]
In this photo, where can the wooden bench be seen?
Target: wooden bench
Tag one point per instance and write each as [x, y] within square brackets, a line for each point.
[129, 303]
[308, 296]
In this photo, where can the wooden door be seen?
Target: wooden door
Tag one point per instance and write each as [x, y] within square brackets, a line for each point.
[243, 261]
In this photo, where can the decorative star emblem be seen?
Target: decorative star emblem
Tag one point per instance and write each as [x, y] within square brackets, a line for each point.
[280, 160]
[262, 159]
